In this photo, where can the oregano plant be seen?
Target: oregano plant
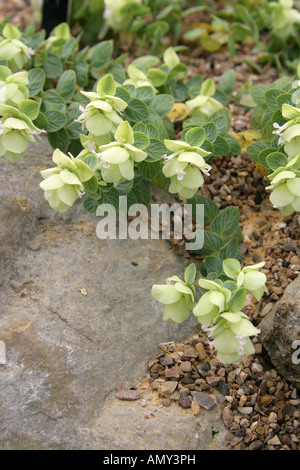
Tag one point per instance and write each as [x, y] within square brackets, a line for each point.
[111, 128]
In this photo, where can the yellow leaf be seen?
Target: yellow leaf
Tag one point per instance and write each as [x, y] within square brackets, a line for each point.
[246, 138]
[261, 169]
[179, 112]
[206, 26]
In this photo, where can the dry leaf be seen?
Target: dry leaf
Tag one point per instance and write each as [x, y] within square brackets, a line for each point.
[179, 112]
[246, 138]
[261, 169]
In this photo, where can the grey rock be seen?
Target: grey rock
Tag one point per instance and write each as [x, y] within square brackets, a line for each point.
[66, 353]
[280, 329]
[130, 427]
[205, 400]
[223, 388]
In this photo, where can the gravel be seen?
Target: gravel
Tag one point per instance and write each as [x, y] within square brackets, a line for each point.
[260, 409]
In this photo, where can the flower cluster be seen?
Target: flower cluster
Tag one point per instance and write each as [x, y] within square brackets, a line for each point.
[14, 51]
[231, 336]
[138, 78]
[290, 130]
[63, 183]
[115, 17]
[101, 116]
[13, 87]
[204, 105]
[116, 159]
[219, 310]
[285, 187]
[178, 298]
[231, 328]
[55, 42]
[185, 167]
[283, 19]
[17, 113]
[249, 277]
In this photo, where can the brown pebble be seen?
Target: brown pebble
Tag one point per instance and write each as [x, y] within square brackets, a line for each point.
[173, 372]
[212, 381]
[239, 446]
[256, 445]
[274, 441]
[166, 388]
[129, 395]
[266, 400]
[186, 366]
[166, 402]
[227, 416]
[185, 400]
[200, 351]
[195, 408]
[246, 410]
[243, 400]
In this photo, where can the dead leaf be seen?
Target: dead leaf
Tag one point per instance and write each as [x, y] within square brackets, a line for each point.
[179, 112]
[261, 169]
[246, 138]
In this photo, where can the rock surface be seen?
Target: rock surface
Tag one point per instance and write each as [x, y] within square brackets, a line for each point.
[280, 330]
[78, 321]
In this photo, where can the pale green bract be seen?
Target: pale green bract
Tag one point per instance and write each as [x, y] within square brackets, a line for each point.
[55, 42]
[63, 183]
[13, 87]
[289, 131]
[185, 167]
[283, 19]
[285, 180]
[204, 105]
[231, 328]
[16, 132]
[171, 59]
[14, 51]
[249, 277]
[211, 303]
[138, 78]
[101, 116]
[285, 187]
[231, 336]
[178, 298]
[116, 19]
[116, 159]
[17, 112]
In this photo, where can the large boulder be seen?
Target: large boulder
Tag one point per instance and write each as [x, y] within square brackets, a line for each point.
[280, 332]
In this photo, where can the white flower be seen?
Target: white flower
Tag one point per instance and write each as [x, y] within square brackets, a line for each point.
[242, 340]
[209, 330]
[105, 163]
[180, 174]
[29, 52]
[206, 171]
[241, 351]
[92, 147]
